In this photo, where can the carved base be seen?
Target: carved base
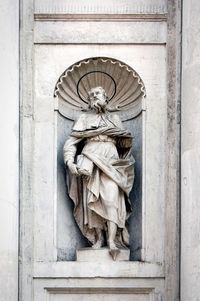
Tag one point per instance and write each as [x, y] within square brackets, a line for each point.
[102, 255]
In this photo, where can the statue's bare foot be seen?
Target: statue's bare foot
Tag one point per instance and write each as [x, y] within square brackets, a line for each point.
[98, 244]
[114, 251]
[112, 245]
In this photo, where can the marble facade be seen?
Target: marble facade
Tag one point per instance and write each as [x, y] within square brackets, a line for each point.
[35, 257]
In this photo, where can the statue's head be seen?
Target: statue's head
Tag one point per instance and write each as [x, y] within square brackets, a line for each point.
[98, 99]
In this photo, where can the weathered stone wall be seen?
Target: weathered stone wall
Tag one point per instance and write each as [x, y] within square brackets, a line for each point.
[50, 36]
[190, 149]
[9, 133]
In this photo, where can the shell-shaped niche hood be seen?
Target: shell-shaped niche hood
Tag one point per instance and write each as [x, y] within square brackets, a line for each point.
[124, 87]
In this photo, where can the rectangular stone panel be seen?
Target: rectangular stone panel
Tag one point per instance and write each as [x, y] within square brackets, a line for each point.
[98, 288]
[62, 32]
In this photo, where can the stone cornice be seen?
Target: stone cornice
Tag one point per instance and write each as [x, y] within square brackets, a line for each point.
[100, 17]
[124, 7]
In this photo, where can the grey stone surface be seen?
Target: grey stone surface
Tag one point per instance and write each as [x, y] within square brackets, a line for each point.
[99, 289]
[9, 150]
[190, 239]
[26, 151]
[101, 255]
[190, 153]
[88, 270]
[105, 6]
[172, 205]
[77, 32]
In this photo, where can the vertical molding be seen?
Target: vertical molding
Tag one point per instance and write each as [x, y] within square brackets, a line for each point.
[173, 152]
[26, 150]
[144, 197]
[55, 242]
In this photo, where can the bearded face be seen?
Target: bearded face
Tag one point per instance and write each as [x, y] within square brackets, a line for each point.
[98, 99]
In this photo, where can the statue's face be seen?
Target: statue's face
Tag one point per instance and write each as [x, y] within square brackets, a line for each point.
[98, 99]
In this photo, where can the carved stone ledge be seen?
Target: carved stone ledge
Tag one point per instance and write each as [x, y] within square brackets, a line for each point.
[94, 7]
[147, 17]
[127, 269]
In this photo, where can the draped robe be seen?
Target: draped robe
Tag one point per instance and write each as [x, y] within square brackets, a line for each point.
[103, 146]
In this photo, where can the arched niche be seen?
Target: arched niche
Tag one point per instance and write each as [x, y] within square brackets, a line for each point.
[126, 92]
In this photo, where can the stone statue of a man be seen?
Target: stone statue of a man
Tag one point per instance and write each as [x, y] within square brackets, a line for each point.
[101, 174]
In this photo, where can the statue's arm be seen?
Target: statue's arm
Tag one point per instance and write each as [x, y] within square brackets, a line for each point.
[69, 153]
[69, 150]
[124, 144]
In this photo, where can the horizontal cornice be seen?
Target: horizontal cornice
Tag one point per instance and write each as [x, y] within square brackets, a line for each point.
[78, 7]
[100, 17]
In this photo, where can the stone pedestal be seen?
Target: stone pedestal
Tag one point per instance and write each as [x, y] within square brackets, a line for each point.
[102, 255]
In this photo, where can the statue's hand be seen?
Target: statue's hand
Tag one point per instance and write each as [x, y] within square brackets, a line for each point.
[73, 168]
[84, 174]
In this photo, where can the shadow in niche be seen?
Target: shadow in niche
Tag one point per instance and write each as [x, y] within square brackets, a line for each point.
[69, 237]
[135, 220]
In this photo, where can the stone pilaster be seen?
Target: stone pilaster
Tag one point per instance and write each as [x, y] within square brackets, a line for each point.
[190, 148]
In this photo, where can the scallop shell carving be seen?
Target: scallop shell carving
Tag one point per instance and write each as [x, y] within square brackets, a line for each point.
[123, 85]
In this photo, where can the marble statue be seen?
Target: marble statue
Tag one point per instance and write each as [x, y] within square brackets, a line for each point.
[100, 173]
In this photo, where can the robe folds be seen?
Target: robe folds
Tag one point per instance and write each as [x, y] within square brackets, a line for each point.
[99, 145]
